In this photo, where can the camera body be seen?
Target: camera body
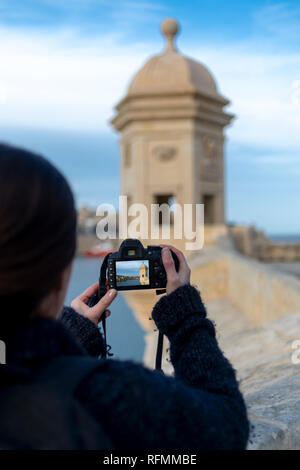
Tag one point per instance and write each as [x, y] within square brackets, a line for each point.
[134, 267]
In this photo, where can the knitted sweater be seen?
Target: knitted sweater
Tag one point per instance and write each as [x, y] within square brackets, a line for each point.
[200, 408]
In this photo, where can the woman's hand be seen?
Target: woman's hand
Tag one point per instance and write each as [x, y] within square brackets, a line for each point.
[94, 313]
[175, 279]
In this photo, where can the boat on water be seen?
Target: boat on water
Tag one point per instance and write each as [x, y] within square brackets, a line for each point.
[98, 251]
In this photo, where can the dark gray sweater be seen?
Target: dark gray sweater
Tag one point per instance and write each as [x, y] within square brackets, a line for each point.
[201, 408]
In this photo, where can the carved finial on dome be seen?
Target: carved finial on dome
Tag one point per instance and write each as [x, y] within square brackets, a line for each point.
[169, 27]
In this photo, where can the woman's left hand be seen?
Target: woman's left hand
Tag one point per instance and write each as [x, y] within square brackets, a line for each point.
[95, 313]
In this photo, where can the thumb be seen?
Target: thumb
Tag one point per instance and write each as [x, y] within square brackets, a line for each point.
[97, 311]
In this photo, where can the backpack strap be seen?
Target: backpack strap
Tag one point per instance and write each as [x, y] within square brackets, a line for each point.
[65, 373]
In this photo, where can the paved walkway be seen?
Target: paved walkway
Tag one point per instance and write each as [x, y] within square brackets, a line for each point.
[269, 380]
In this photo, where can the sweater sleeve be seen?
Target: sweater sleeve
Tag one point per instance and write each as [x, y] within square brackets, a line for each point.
[201, 408]
[194, 352]
[85, 331]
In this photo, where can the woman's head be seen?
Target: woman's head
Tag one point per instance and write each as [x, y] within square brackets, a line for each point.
[37, 229]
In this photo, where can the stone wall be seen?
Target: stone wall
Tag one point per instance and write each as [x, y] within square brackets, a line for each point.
[256, 244]
[258, 291]
[281, 252]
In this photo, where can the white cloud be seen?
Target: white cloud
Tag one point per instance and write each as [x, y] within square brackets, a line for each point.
[279, 19]
[57, 81]
[261, 87]
[68, 82]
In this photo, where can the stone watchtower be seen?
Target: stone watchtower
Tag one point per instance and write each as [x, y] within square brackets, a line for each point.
[144, 279]
[171, 123]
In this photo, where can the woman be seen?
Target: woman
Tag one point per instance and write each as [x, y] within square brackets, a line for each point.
[54, 393]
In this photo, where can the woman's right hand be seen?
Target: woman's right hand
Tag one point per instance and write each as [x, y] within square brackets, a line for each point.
[95, 314]
[175, 278]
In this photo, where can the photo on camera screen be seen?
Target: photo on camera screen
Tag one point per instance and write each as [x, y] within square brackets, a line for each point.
[132, 273]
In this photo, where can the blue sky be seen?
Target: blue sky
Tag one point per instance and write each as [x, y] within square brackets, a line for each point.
[130, 268]
[64, 65]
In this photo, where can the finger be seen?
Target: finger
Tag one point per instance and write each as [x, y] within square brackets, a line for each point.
[175, 250]
[87, 294]
[180, 256]
[103, 303]
[169, 264]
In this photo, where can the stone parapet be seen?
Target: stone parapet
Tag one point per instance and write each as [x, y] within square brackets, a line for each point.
[254, 243]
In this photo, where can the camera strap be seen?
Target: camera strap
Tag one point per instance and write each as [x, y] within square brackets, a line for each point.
[159, 351]
[95, 299]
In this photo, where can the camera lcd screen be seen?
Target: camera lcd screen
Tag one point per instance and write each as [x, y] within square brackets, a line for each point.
[132, 273]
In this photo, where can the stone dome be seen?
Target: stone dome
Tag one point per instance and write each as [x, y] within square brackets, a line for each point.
[171, 72]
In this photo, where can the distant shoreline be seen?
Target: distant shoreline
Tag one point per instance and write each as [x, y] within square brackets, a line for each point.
[285, 238]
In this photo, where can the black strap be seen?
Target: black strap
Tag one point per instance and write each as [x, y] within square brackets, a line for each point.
[95, 299]
[101, 292]
[107, 347]
[160, 343]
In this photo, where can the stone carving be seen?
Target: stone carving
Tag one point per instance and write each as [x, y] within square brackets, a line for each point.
[210, 147]
[164, 152]
[210, 164]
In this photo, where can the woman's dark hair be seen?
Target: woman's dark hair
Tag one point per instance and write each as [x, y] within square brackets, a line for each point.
[37, 231]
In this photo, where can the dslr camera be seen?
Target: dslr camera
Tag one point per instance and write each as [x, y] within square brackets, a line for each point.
[134, 267]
